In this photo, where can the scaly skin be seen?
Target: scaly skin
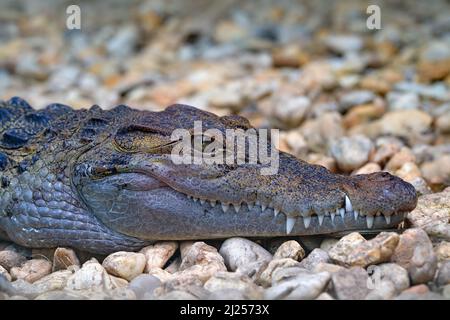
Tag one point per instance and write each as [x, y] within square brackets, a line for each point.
[103, 181]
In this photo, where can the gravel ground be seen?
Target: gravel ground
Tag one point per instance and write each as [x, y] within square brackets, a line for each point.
[351, 99]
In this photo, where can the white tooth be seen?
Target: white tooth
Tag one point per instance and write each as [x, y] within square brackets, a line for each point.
[263, 207]
[195, 199]
[306, 221]
[342, 213]
[250, 205]
[348, 204]
[369, 221]
[225, 207]
[188, 196]
[321, 216]
[333, 214]
[258, 203]
[237, 207]
[388, 219]
[290, 221]
[276, 212]
[202, 201]
[213, 203]
[355, 214]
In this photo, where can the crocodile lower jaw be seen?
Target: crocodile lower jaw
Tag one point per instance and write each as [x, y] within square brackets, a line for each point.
[342, 214]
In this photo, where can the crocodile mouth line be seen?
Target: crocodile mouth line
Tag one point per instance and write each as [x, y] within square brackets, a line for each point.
[339, 213]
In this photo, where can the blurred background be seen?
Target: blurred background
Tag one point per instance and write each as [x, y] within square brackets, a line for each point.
[352, 99]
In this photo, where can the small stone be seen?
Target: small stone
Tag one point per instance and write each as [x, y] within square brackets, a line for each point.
[64, 258]
[91, 276]
[10, 257]
[244, 256]
[374, 251]
[61, 295]
[177, 295]
[443, 274]
[437, 172]
[354, 98]
[322, 160]
[290, 249]
[161, 274]
[403, 100]
[351, 152]
[227, 294]
[54, 281]
[5, 273]
[432, 213]
[232, 280]
[415, 253]
[414, 126]
[126, 265]
[368, 168]
[265, 278]
[324, 296]
[443, 123]
[386, 148]
[328, 243]
[291, 110]
[345, 246]
[32, 270]
[400, 158]
[394, 273]
[200, 261]
[303, 286]
[384, 290]
[43, 253]
[174, 266]
[421, 186]
[409, 172]
[442, 251]
[158, 254]
[328, 267]
[344, 43]
[350, 284]
[419, 292]
[364, 113]
[143, 286]
[321, 132]
[314, 258]
[446, 292]
[295, 142]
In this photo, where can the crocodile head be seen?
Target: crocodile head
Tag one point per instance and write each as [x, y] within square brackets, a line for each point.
[131, 183]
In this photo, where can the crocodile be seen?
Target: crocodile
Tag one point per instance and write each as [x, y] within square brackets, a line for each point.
[104, 181]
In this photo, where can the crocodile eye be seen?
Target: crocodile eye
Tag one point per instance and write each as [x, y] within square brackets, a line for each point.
[134, 139]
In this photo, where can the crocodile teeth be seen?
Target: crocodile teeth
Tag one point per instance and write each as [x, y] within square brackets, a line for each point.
[342, 213]
[369, 220]
[388, 219]
[188, 196]
[225, 207]
[202, 201]
[276, 212]
[348, 204]
[306, 221]
[237, 207]
[213, 203]
[321, 216]
[290, 221]
[263, 207]
[250, 205]
[355, 214]
[195, 199]
[333, 214]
